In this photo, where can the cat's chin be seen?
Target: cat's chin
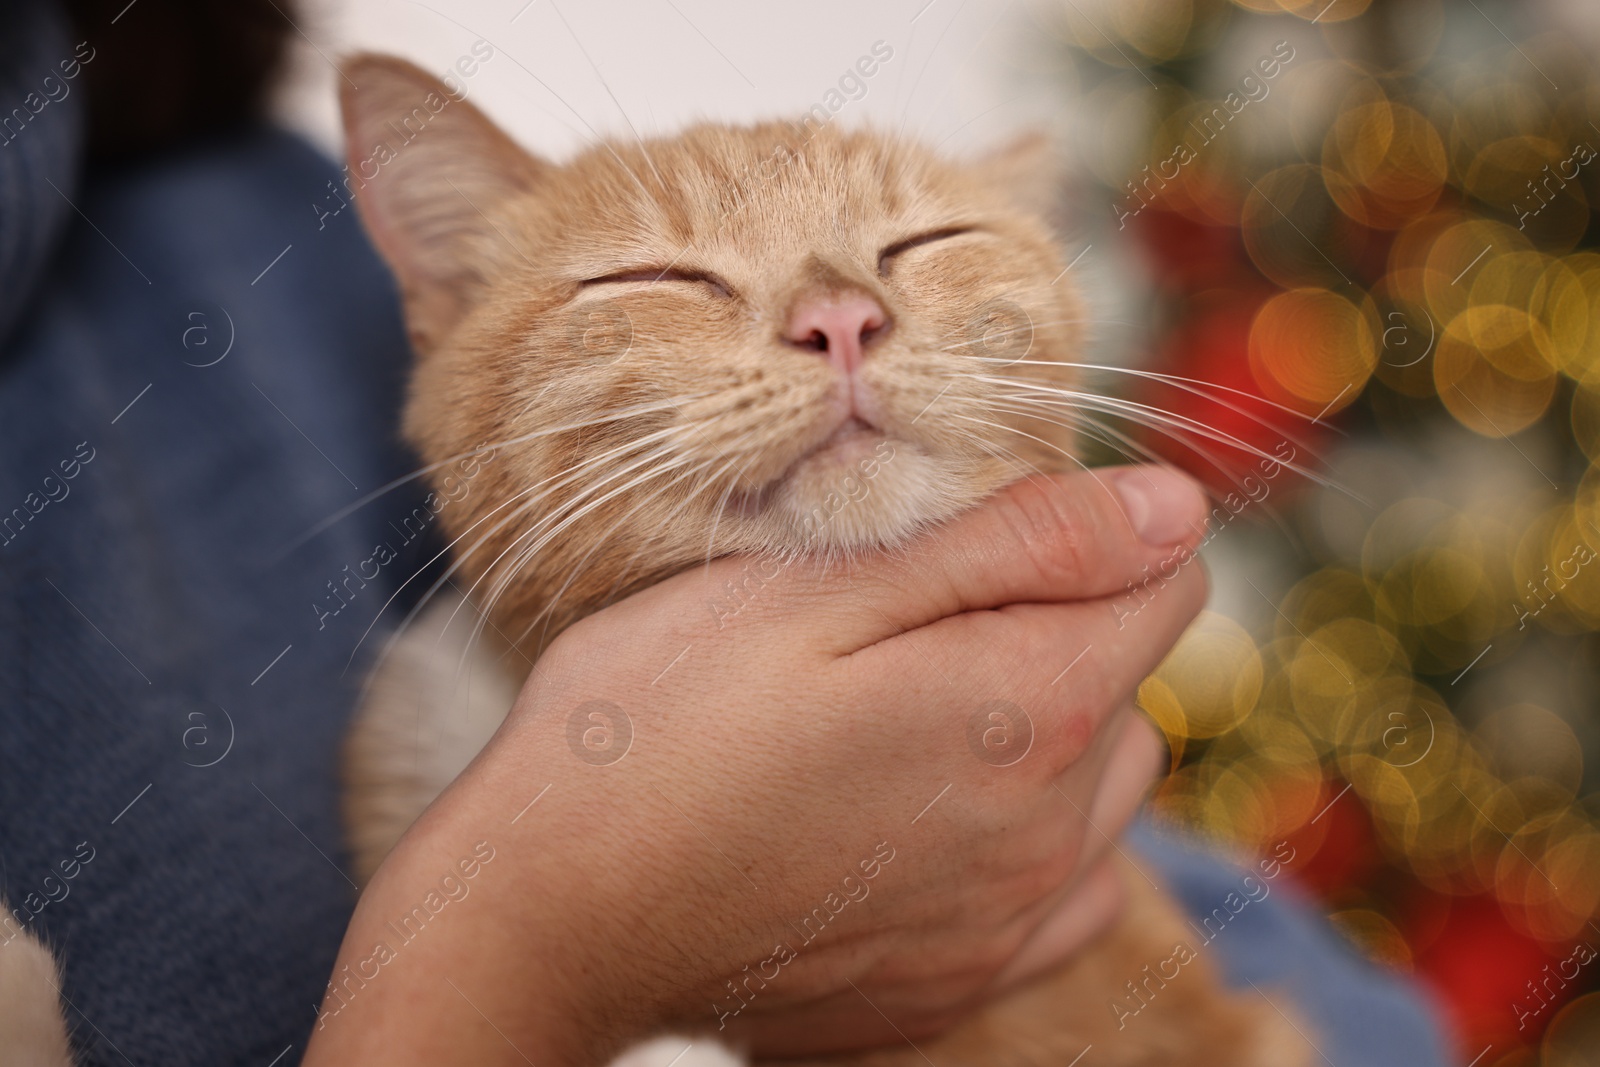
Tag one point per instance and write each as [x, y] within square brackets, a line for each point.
[861, 489]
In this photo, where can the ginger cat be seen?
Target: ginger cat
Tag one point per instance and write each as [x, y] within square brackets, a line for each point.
[662, 352]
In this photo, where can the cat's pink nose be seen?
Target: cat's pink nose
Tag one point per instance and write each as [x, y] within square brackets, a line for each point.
[839, 327]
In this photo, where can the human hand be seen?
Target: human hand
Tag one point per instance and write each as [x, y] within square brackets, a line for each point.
[827, 750]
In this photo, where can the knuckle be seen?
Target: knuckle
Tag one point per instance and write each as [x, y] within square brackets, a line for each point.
[1042, 879]
[1068, 684]
[1053, 528]
[1060, 714]
[1067, 738]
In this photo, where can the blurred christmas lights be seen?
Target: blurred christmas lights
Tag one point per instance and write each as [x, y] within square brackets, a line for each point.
[1392, 230]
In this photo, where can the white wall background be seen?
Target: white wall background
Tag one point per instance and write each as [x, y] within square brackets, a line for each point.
[565, 70]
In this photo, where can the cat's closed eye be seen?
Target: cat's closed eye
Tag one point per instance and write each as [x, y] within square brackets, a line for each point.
[886, 257]
[662, 274]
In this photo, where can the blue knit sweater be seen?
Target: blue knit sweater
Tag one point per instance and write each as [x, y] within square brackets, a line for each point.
[198, 376]
[193, 376]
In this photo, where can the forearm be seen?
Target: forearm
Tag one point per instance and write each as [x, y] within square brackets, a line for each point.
[423, 975]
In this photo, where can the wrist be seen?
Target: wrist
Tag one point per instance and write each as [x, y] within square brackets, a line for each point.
[445, 960]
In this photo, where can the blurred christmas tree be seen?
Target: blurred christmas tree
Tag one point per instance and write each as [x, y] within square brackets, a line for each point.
[1360, 234]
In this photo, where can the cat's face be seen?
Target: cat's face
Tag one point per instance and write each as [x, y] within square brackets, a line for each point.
[765, 338]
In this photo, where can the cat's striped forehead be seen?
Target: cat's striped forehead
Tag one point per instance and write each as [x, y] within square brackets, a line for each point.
[755, 199]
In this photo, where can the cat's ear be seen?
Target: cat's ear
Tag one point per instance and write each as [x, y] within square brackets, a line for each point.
[429, 171]
[1028, 171]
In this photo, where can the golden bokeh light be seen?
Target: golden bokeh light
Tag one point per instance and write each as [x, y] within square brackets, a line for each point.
[1402, 236]
[1384, 164]
[1313, 348]
[1157, 28]
[1522, 175]
[1214, 674]
[1491, 372]
[1527, 741]
[1573, 1037]
[1321, 10]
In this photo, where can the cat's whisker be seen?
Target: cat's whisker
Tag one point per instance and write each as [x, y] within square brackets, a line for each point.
[527, 543]
[1193, 386]
[542, 490]
[738, 445]
[722, 502]
[594, 135]
[1023, 433]
[1043, 392]
[625, 571]
[669, 450]
[1079, 427]
[1002, 453]
[989, 336]
[533, 548]
[1084, 420]
[480, 620]
[492, 446]
[1172, 426]
[1079, 422]
[548, 486]
[693, 471]
[1130, 448]
[548, 612]
[1164, 421]
[601, 78]
[1085, 423]
[522, 505]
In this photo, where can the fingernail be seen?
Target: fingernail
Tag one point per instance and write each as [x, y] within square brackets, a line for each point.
[1162, 505]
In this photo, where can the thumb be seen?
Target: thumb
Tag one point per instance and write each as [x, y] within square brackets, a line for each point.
[1046, 539]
